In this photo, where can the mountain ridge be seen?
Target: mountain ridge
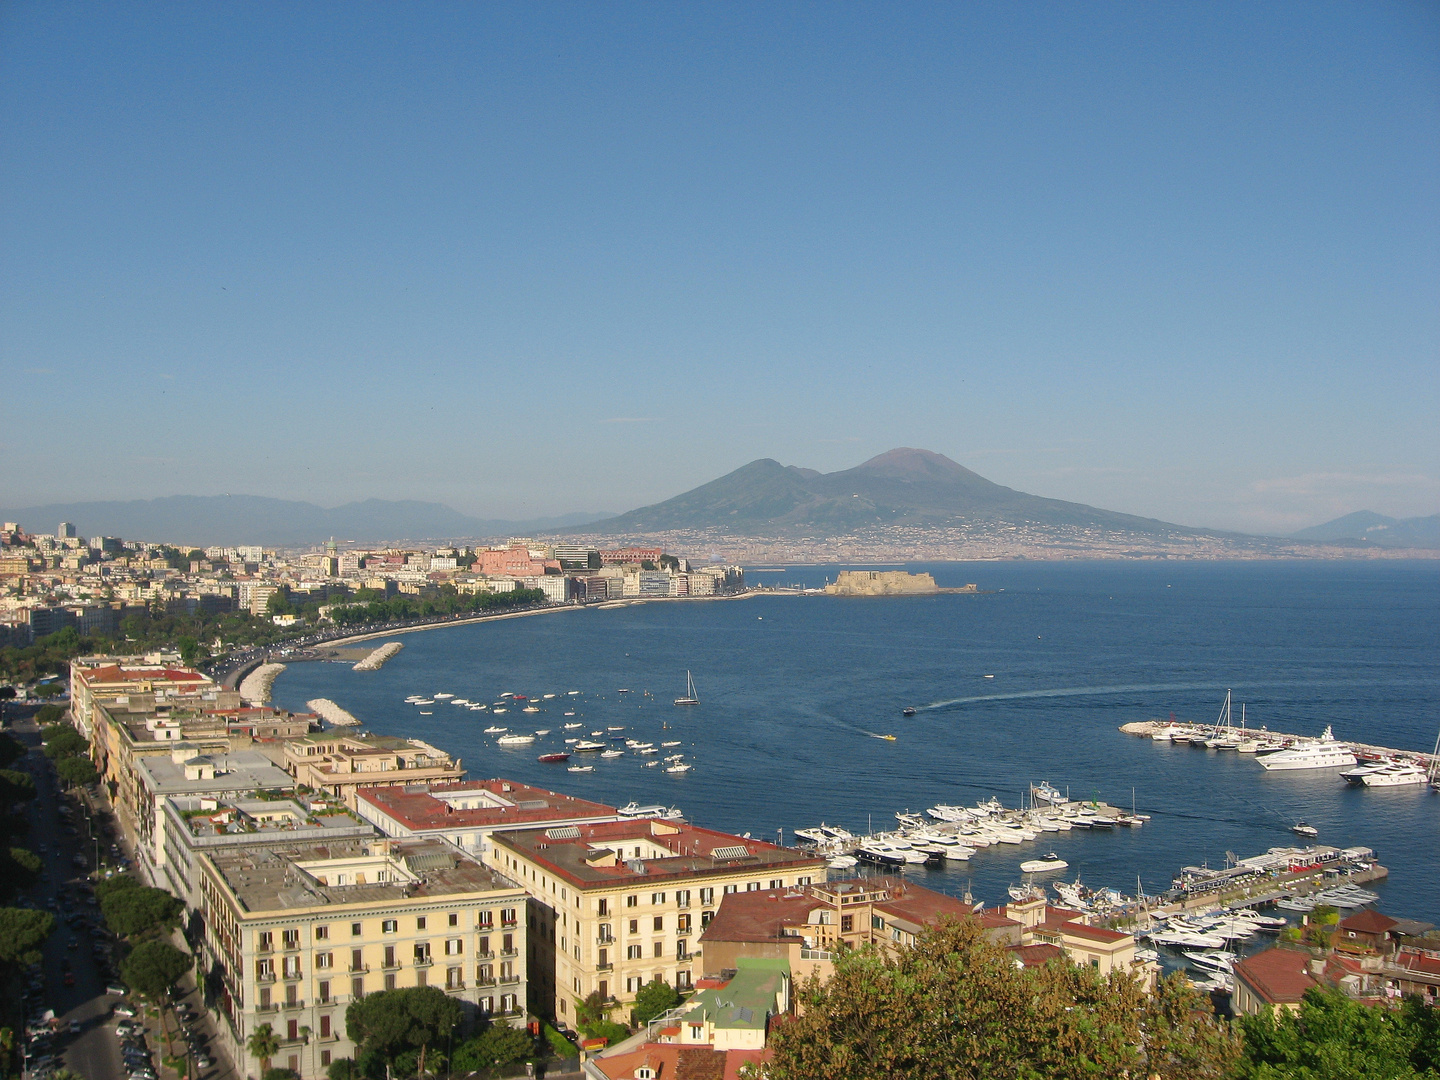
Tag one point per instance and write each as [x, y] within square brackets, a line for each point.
[903, 486]
[1365, 527]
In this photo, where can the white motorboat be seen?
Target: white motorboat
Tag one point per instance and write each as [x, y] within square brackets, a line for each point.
[635, 810]
[1043, 866]
[679, 767]
[613, 753]
[1357, 775]
[1211, 959]
[572, 727]
[531, 708]
[1322, 753]
[498, 709]
[571, 712]
[581, 768]
[1046, 794]
[496, 730]
[423, 701]
[572, 693]
[1181, 939]
[585, 746]
[842, 862]
[542, 731]
[514, 740]
[442, 697]
[824, 834]
[672, 742]
[546, 697]
[1396, 774]
[1301, 829]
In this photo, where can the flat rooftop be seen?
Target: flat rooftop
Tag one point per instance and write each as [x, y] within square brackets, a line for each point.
[245, 770]
[646, 851]
[349, 872]
[478, 804]
[260, 817]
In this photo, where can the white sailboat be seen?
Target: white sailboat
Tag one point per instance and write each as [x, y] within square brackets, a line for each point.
[691, 697]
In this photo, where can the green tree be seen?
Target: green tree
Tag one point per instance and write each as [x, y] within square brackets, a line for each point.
[498, 1044]
[1335, 1038]
[655, 997]
[11, 750]
[52, 689]
[956, 1006]
[152, 968]
[63, 742]
[111, 886]
[16, 786]
[77, 771]
[20, 868]
[263, 1044]
[393, 1021]
[22, 932]
[49, 714]
[344, 1069]
[140, 910]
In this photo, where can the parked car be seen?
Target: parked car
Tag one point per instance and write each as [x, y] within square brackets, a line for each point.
[118, 989]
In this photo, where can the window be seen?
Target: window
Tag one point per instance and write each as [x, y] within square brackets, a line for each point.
[453, 979]
[292, 939]
[657, 898]
[486, 919]
[454, 946]
[802, 881]
[602, 906]
[682, 949]
[265, 997]
[632, 901]
[682, 924]
[777, 883]
[659, 924]
[847, 924]
[390, 956]
[356, 929]
[324, 959]
[422, 952]
[633, 984]
[825, 919]
[682, 897]
[390, 982]
[420, 922]
[487, 1005]
[266, 941]
[682, 980]
[752, 886]
[659, 948]
[357, 959]
[634, 926]
[324, 989]
[322, 933]
[602, 958]
[454, 918]
[484, 946]
[292, 1029]
[729, 889]
[602, 932]
[357, 988]
[644, 1072]
[705, 917]
[422, 978]
[390, 926]
[507, 915]
[707, 896]
[325, 1056]
[325, 1027]
[633, 952]
[697, 1032]
[877, 923]
[508, 1001]
[292, 967]
[507, 943]
[265, 969]
[604, 988]
[291, 996]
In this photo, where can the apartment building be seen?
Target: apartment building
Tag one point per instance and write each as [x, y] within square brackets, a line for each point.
[292, 936]
[137, 683]
[1088, 946]
[618, 904]
[467, 813]
[804, 926]
[198, 825]
[343, 763]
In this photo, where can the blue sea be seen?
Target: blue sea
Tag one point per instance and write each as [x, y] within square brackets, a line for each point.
[1026, 682]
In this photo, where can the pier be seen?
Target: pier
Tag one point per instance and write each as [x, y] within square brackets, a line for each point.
[1149, 728]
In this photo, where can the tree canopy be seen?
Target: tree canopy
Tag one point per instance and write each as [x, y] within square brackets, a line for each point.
[957, 1006]
[152, 968]
[654, 998]
[498, 1044]
[394, 1021]
[139, 910]
[1334, 1038]
[22, 932]
[77, 770]
[64, 741]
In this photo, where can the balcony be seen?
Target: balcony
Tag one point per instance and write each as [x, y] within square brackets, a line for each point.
[485, 982]
[423, 962]
[272, 1007]
[265, 977]
[604, 939]
[455, 986]
[361, 970]
[484, 956]
[506, 980]
[509, 952]
[509, 925]
[298, 1003]
[390, 965]
[604, 967]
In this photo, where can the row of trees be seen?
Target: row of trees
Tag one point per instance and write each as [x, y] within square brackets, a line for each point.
[68, 749]
[957, 1007]
[431, 604]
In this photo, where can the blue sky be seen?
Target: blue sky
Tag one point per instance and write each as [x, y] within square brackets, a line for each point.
[1175, 260]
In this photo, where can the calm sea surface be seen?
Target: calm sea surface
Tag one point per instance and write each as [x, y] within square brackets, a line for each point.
[794, 687]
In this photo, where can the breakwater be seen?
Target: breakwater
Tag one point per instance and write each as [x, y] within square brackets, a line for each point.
[377, 658]
[255, 688]
[1148, 729]
[331, 713]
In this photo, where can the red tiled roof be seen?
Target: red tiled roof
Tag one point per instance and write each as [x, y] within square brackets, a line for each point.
[1420, 961]
[1036, 955]
[1277, 976]
[1368, 922]
[419, 810]
[670, 1061]
[1089, 933]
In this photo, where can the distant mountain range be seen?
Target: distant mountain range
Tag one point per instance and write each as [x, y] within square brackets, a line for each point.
[901, 487]
[1364, 527]
[202, 520]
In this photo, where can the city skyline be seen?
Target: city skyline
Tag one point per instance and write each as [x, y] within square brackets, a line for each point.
[1179, 264]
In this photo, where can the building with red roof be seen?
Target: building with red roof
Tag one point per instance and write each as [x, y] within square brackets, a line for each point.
[1276, 977]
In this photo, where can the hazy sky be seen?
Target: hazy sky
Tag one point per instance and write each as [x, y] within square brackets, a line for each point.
[1178, 260]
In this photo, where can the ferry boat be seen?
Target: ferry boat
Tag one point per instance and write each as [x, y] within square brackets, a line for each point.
[1322, 753]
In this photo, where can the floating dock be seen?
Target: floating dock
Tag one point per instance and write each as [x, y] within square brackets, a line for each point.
[1148, 728]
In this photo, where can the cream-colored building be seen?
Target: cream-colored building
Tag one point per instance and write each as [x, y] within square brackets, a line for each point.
[292, 936]
[1088, 946]
[342, 763]
[618, 904]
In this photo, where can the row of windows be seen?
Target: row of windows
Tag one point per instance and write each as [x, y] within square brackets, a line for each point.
[290, 939]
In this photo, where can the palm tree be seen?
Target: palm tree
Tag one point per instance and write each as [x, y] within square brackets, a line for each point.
[264, 1045]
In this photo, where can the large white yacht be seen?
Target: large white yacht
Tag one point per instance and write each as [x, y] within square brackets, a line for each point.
[1321, 753]
[1395, 774]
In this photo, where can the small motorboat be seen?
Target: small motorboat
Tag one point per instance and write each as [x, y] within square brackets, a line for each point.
[887, 738]
[581, 768]
[530, 708]
[679, 767]
[570, 712]
[546, 697]
[496, 730]
[1043, 866]
[908, 710]
[542, 731]
[1301, 829]
[514, 740]
[550, 759]
[613, 753]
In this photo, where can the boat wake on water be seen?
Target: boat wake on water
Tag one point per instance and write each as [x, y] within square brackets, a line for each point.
[1065, 692]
